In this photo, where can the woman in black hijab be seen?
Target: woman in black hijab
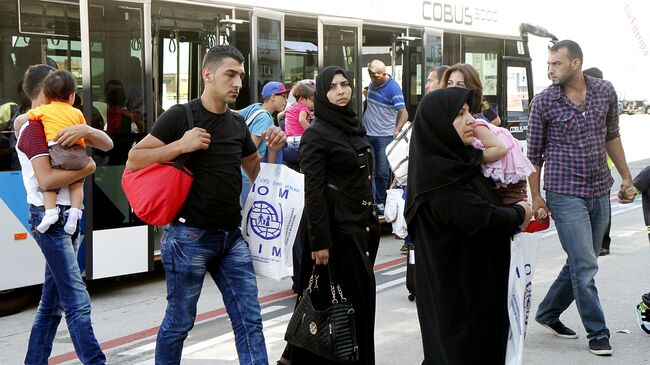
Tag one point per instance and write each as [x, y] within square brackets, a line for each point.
[341, 228]
[461, 234]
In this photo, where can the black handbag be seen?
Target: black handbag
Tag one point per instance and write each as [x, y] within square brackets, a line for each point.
[329, 333]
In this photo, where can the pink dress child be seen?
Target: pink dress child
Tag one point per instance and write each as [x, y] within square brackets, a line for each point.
[510, 172]
[292, 126]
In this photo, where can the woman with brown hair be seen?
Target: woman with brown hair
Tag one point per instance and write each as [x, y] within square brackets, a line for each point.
[465, 75]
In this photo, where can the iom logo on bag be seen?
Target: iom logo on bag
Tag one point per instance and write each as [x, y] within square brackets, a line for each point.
[264, 220]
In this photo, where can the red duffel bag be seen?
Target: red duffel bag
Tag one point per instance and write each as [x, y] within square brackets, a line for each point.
[157, 192]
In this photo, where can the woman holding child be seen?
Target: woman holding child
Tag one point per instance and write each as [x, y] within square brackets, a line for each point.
[463, 235]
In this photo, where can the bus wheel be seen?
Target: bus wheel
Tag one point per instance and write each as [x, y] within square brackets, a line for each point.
[15, 300]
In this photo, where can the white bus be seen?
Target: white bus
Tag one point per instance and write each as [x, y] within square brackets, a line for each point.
[144, 56]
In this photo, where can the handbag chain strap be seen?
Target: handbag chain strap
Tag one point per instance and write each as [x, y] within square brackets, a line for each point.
[334, 287]
[313, 281]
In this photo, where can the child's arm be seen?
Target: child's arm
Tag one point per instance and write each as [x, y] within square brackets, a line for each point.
[280, 116]
[302, 119]
[494, 149]
[94, 137]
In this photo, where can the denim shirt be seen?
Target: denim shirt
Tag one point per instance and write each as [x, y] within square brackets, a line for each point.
[572, 143]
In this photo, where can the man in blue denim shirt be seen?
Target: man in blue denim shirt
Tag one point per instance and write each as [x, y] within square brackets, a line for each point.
[573, 125]
[63, 289]
[205, 237]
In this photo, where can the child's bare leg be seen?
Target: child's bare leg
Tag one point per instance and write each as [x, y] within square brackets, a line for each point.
[51, 211]
[76, 199]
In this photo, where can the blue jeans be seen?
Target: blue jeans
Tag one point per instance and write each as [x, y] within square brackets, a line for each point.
[63, 292]
[187, 254]
[580, 224]
[381, 168]
[291, 155]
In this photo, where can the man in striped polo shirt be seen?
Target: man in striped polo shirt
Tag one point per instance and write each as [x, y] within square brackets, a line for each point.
[383, 119]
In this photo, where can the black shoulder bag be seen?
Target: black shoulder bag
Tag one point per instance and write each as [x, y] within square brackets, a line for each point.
[329, 333]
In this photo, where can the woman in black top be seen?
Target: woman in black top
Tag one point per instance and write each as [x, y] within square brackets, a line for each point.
[341, 228]
[461, 235]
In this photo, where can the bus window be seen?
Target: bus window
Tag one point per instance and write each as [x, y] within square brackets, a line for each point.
[117, 79]
[37, 32]
[484, 54]
[451, 49]
[269, 51]
[301, 50]
[380, 44]
[517, 98]
[433, 50]
[175, 71]
[517, 93]
[340, 48]
[414, 78]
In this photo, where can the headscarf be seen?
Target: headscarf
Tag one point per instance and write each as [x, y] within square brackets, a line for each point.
[438, 158]
[341, 117]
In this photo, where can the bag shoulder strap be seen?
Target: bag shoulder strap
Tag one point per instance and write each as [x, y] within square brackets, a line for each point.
[252, 117]
[190, 118]
[182, 159]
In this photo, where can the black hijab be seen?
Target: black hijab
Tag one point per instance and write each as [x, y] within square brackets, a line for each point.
[341, 117]
[438, 157]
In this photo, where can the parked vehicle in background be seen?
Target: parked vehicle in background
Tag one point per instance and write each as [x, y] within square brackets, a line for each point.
[635, 107]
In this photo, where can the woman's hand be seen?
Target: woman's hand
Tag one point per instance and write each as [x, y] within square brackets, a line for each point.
[528, 214]
[322, 257]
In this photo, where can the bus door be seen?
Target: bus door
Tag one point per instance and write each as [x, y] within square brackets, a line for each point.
[339, 44]
[117, 49]
[182, 35]
[389, 45]
[33, 32]
[267, 49]
[517, 92]
[301, 49]
[178, 70]
[423, 52]
[485, 55]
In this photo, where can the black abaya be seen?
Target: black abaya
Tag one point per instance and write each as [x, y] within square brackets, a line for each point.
[462, 240]
[335, 158]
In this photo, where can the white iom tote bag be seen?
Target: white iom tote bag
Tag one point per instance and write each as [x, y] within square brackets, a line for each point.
[524, 250]
[271, 217]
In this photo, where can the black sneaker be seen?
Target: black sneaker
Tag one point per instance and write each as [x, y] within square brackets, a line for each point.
[643, 317]
[600, 347]
[560, 330]
[603, 252]
[404, 250]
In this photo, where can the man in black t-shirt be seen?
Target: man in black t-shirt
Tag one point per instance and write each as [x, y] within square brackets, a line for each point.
[205, 237]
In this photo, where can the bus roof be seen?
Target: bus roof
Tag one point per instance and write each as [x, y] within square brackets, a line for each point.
[475, 17]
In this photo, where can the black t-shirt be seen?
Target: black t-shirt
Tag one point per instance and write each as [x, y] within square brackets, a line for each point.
[213, 201]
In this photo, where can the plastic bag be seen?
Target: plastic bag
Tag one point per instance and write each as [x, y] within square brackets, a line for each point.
[524, 250]
[271, 217]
